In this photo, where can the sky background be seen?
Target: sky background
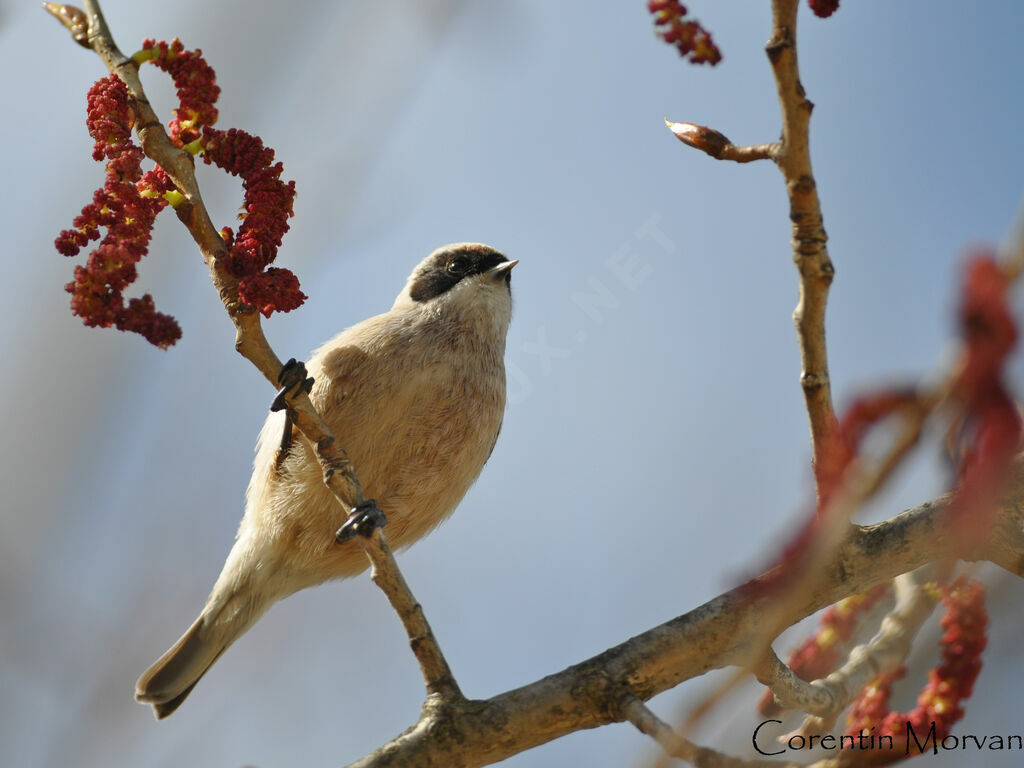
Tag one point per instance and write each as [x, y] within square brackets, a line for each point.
[654, 452]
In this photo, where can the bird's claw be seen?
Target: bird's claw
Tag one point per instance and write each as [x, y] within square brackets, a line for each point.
[362, 521]
[293, 380]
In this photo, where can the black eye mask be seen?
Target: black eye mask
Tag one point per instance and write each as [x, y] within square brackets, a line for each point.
[450, 265]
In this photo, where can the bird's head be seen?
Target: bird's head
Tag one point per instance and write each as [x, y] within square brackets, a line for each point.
[468, 279]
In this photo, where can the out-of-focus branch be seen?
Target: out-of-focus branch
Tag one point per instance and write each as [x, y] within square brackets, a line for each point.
[636, 712]
[339, 474]
[726, 631]
[789, 690]
[829, 531]
[825, 699]
[707, 703]
[885, 652]
[1012, 252]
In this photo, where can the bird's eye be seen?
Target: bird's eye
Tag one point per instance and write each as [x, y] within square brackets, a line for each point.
[458, 265]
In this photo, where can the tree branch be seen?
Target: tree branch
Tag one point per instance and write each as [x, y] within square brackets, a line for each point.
[726, 631]
[437, 675]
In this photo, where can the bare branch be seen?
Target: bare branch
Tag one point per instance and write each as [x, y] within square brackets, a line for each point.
[339, 474]
[437, 675]
[810, 253]
[647, 722]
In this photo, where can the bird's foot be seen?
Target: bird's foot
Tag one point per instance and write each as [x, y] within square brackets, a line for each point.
[293, 381]
[362, 521]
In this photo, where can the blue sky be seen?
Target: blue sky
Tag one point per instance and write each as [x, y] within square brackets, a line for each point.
[655, 448]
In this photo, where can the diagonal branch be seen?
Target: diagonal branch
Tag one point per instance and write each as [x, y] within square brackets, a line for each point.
[726, 631]
[678, 746]
[338, 472]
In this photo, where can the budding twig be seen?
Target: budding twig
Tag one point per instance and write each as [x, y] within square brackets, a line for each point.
[792, 156]
[250, 342]
[714, 143]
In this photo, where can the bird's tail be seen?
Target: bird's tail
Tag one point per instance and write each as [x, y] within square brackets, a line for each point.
[172, 677]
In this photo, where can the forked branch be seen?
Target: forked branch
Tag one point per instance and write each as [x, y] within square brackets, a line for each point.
[726, 631]
[793, 157]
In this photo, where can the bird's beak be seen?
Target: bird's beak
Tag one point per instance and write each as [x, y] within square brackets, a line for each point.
[502, 270]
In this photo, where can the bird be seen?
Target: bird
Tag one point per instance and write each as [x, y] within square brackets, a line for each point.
[416, 396]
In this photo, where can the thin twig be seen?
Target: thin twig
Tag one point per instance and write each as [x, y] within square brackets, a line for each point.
[437, 674]
[703, 708]
[711, 700]
[648, 723]
[636, 712]
[338, 472]
[810, 253]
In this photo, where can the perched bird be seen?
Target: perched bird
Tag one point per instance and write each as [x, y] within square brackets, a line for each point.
[416, 396]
